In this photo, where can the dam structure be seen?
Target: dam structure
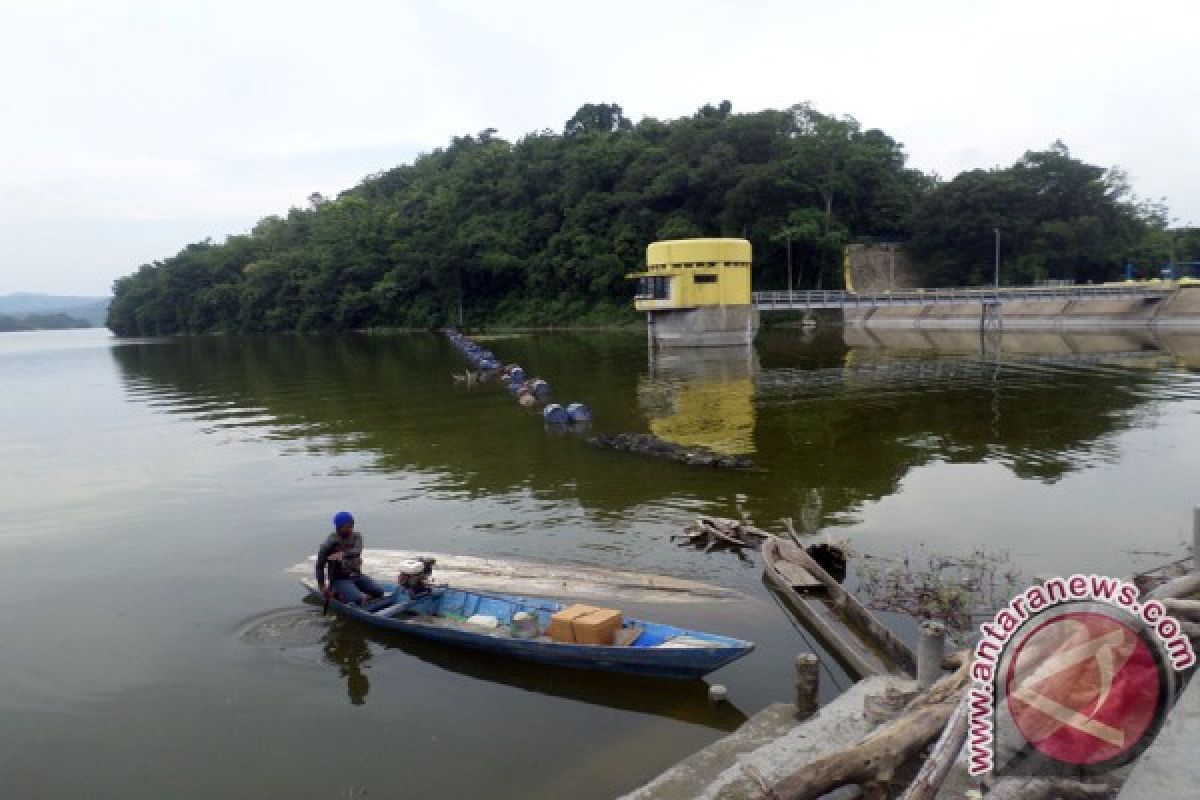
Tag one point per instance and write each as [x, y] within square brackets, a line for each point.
[1132, 304]
[696, 293]
[880, 282]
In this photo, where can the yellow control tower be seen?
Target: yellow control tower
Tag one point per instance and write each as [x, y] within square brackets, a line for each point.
[696, 293]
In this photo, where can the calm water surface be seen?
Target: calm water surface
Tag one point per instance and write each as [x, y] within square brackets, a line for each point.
[156, 491]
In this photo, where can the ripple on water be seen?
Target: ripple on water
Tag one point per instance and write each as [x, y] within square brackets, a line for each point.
[285, 628]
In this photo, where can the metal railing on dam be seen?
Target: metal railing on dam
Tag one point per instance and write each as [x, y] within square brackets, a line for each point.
[805, 300]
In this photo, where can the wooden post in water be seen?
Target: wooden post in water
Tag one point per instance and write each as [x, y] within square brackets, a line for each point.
[930, 650]
[807, 682]
[1196, 539]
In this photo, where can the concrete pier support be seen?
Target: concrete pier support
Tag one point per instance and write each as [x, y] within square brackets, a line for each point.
[930, 650]
[707, 326]
[807, 684]
[1196, 538]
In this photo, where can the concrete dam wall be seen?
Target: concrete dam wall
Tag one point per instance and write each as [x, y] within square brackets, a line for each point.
[1180, 309]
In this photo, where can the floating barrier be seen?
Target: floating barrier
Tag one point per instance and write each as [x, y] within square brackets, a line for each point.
[481, 358]
[529, 392]
[650, 445]
[578, 412]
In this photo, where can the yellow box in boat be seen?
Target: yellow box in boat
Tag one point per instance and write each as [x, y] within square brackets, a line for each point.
[598, 627]
[561, 629]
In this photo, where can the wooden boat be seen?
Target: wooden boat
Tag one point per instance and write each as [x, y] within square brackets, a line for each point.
[463, 618]
[852, 634]
[492, 575]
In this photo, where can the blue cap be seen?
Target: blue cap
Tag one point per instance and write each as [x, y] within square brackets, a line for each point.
[342, 518]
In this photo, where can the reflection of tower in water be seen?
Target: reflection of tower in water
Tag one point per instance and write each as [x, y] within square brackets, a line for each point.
[702, 396]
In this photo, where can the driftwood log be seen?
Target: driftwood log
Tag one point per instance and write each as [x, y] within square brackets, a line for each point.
[650, 445]
[1049, 789]
[943, 755]
[721, 532]
[1183, 586]
[880, 708]
[1187, 612]
[871, 762]
[954, 660]
[1182, 608]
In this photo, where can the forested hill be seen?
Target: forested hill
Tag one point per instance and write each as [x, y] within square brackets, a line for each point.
[69, 310]
[543, 230]
[40, 322]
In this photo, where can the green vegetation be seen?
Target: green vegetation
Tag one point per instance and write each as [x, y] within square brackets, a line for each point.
[40, 322]
[91, 310]
[542, 231]
[1057, 217]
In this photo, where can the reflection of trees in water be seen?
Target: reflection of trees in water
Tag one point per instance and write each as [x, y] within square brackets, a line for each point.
[347, 648]
[1040, 419]
[832, 426]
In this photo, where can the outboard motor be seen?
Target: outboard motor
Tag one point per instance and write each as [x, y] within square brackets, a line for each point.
[416, 575]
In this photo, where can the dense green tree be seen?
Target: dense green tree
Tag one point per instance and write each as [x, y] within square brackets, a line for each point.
[544, 230]
[597, 118]
[1057, 217]
[40, 322]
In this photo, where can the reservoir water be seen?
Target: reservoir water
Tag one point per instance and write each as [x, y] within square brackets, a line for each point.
[152, 643]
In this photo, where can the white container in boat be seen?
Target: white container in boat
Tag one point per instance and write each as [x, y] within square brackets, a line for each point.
[483, 621]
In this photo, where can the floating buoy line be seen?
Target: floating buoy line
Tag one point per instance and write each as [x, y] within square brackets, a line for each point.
[577, 417]
[529, 392]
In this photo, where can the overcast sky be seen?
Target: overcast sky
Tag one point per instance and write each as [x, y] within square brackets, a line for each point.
[129, 129]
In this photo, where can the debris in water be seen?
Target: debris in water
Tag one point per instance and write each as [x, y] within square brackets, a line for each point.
[956, 590]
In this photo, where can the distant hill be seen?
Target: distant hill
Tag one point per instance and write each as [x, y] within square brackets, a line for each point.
[41, 322]
[90, 309]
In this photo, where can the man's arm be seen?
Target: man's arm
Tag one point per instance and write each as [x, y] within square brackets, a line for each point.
[322, 557]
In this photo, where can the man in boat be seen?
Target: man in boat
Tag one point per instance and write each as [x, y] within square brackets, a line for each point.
[341, 556]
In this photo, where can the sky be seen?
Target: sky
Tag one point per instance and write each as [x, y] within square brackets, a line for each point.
[129, 129]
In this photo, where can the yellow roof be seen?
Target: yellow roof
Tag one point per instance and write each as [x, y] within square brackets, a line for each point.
[692, 251]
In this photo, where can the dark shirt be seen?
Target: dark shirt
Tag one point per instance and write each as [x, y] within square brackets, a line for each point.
[350, 566]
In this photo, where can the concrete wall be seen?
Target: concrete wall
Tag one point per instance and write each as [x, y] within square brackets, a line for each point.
[1147, 346]
[869, 268]
[710, 326]
[1180, 310]
[1025, 342]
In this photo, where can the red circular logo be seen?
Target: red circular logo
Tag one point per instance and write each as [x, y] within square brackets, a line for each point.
[1084, 688]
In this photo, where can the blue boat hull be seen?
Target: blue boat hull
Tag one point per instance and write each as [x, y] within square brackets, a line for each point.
[655, 652]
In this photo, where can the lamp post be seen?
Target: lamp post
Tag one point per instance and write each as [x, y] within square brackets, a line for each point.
[789, 260]
[997, 231]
